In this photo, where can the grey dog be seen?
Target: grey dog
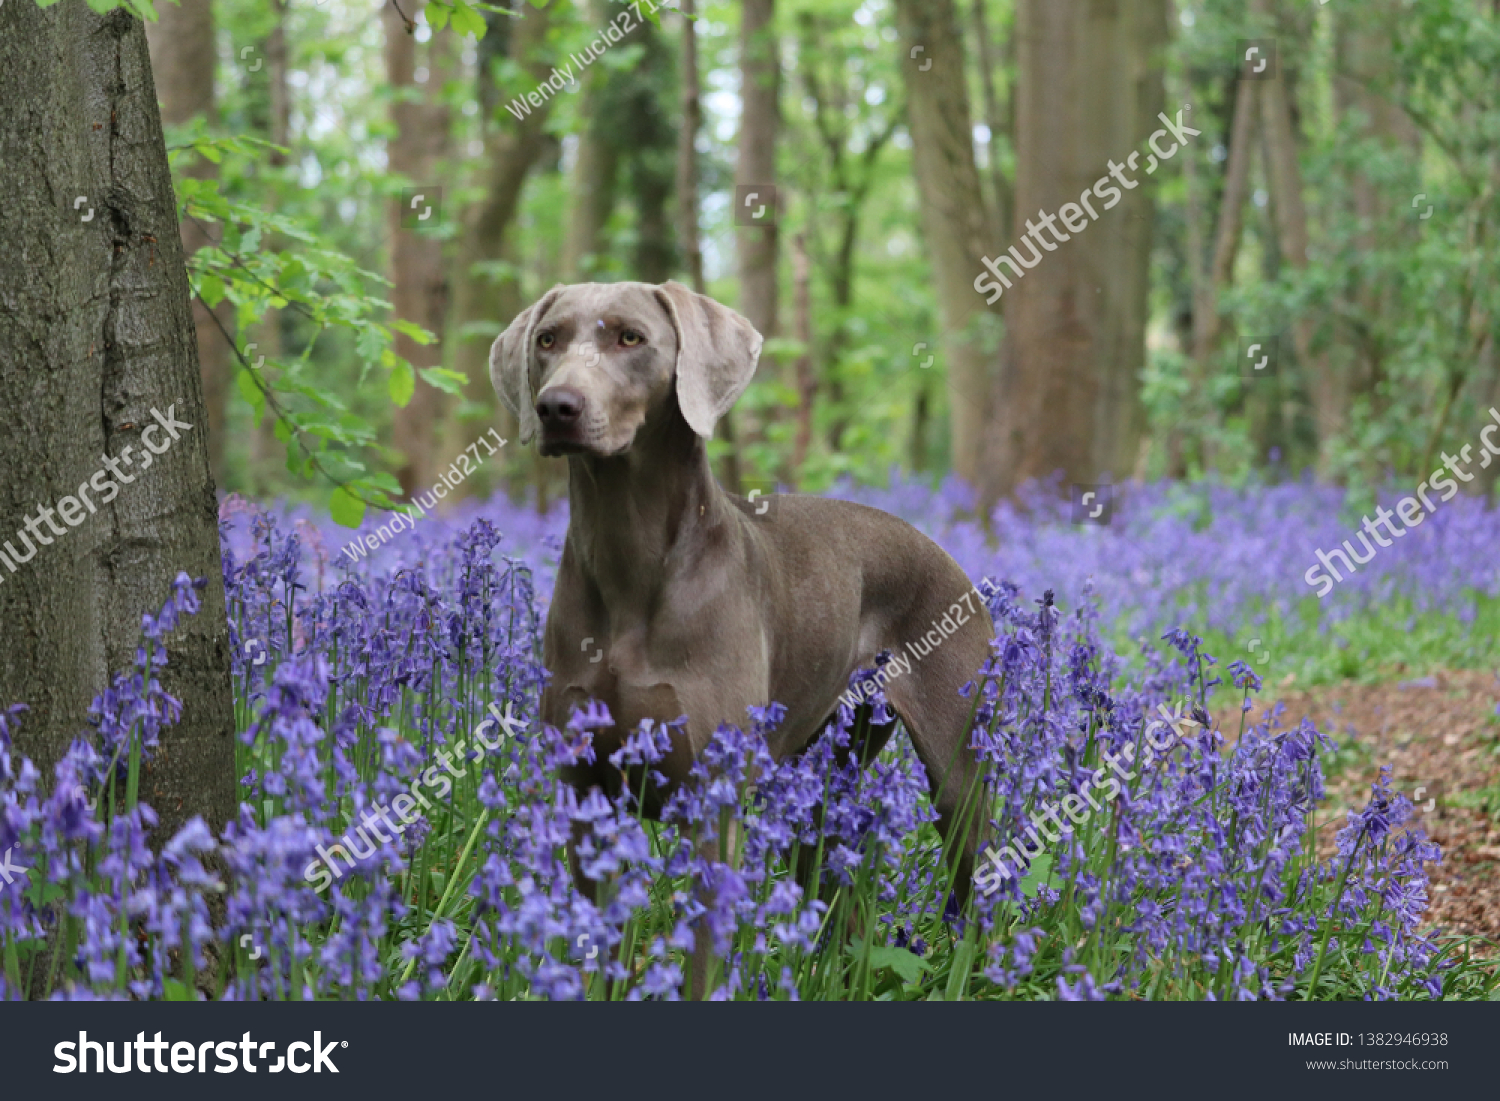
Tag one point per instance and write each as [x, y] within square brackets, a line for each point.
[677, 598]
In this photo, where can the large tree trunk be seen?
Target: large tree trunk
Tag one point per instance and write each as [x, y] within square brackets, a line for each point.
[1088, 95]
[96, 333]
[420, 286]
[182, 58]
[483, 302]
[954, 222]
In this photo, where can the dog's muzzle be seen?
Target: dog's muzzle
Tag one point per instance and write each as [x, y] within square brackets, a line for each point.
[560, 410]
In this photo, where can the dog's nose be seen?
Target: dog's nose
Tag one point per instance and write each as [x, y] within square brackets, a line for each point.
[559, 406]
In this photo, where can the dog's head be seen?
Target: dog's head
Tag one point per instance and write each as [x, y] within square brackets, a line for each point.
[588, 365]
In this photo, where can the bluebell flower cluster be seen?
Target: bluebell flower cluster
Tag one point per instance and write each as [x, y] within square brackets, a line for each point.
[358, 682]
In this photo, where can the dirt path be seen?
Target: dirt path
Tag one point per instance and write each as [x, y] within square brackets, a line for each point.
[1440, 734]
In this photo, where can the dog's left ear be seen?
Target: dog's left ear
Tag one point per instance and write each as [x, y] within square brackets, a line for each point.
[717, 350]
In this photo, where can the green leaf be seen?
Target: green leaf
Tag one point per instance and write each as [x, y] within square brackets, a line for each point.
[416, 332]
[370, 342]
[906, 964]
[175, 990]
[963, 960]
[1037, 875]
[211, 290]
[380, 479]
[403, 383]
[450, 382]
[346, 508]
[468, 21]
[437, 16]
[251, 393]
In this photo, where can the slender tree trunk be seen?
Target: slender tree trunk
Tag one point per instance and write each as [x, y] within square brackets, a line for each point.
[1212, 273]
[1489, 363]
[281, 91]
[595, 172]
[420, 286]
[650, 140]
[264, 446]
[760, 121]
[1207, 324]
[807, 387]
[483, 302]
[850, 175]
[1326, 386]
[183, 57]
[757, 246]
[593, 198]
[954, 223]
[688, 236]
[1088, 96]
[96, 336]
[921, 423]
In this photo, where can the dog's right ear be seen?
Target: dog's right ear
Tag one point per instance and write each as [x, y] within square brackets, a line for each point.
[510, 365]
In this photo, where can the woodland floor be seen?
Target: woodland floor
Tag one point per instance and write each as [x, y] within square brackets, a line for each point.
[1439, 733]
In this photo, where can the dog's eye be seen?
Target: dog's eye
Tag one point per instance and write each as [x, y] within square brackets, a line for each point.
[630, 338]
[546, 340]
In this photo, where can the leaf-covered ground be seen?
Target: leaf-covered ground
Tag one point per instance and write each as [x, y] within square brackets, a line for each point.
[1440, 733]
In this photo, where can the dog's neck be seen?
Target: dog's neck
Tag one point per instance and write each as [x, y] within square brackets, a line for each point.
[633, 517]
